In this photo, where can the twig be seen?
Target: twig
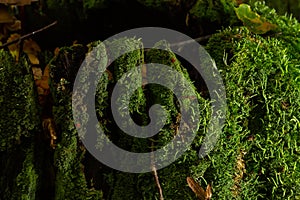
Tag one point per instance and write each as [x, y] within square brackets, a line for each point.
[179, 45]
[27, 35]
[161, 197]
[199, 39]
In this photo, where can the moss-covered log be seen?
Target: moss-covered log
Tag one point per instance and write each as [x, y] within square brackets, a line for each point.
[19, 126]
[256, 156]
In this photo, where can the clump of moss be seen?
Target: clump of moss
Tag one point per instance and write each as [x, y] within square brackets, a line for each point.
[27, 181]
[173, 177]
[70, 181]
[260, 73]
[21, 131]
[18, 97]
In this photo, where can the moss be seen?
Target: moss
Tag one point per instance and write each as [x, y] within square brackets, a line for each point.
[256, 156]
[20, 110]
[173, 177]
[70, 182]
[214, 14]
[283, 7]
[94, 4]
[27, 181]
[261, 78]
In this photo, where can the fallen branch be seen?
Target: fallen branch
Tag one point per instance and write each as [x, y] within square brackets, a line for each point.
[27, 35]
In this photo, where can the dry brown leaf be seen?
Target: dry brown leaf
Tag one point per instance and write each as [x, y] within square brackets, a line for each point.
[32, 49]
[43, 83]
[30, 46]
[5, 16]
[37, 73]
[40, 91]
[17, 2]
[33, 59]
[14, 48]
[198, 190]
[56, 51]
[46, 71]
[14, 26]
[110, 75]
[49, 130]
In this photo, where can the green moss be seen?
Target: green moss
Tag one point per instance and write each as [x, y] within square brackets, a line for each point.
[94, 4]
[173, 177]
[27, 180]
[70, 182]
[256, 156]
[18, 98]
[261, 79]
[285, 6]
[221, 11]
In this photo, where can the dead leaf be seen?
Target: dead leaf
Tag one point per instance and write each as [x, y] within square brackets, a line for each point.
[14, 48]
[43, 83]
[14, 26]
[46, 71]
[5, 16]
[198, 190]
[17, 2]
[32, 49]
[49, 130]
[40, 91]
[37, 73]
[110, 75]
[56, 51]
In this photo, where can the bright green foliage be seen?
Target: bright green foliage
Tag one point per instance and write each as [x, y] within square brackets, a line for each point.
[18, 99]
[261, 79]
[288, 27]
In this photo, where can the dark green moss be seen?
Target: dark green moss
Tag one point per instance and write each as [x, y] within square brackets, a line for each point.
[18, 97]
[70, 181]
